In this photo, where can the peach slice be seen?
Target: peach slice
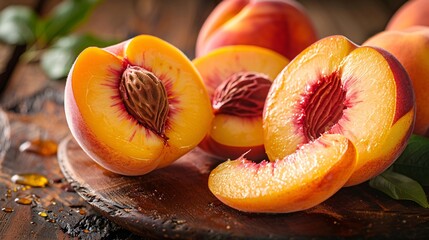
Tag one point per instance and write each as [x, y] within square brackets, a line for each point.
[136, 106]
[280, 25]
[238, 79]
[299, 181]
[334, 86]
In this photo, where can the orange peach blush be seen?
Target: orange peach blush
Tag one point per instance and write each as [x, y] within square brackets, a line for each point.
[280, 25]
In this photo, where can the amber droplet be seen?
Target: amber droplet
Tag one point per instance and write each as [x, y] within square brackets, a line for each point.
[7, 209]
[43, 147]
[42, 214]
[24, 200]
[81, 211]
[30, 179]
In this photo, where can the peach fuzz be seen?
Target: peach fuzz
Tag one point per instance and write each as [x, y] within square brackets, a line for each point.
[337, 87]
[280, 25]
[411, 47]
[136, 106]
[312, 174]
[237, 79]
[412, 13]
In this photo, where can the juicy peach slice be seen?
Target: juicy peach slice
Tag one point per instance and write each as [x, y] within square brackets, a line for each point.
[335, 86]
[128, 134]
[237, 126]
[299, 181]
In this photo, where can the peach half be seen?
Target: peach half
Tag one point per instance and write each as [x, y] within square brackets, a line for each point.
[280, 25]
[337, 87]
[312, 174]
[237, 79]
[136, 106]
[411, 47]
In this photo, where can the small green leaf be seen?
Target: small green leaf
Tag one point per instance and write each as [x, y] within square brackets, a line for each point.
[65, 17]
[57, 60]
[18, 25]
[414, 161]
[400, 187]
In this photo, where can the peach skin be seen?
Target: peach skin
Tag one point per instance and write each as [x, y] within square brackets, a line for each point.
[280, 25]
[411, 47]
[412, 13]
[136, 106]
[238, 79]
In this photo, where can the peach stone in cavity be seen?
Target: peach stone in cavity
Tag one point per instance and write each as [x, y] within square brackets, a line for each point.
[243, 94]
[145, 98]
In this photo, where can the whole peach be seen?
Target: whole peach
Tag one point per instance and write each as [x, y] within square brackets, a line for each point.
[279, 25]
[411, 48]
[412, 13]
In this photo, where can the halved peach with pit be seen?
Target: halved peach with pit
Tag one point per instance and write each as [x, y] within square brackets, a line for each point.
[237, 79]
[136, 106]
[312, 174]
[335, 86]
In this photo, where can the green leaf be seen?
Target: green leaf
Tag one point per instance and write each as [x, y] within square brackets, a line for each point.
[57, 60]
[400, 187]
[65, 17]
[18, 25]
[414, 161]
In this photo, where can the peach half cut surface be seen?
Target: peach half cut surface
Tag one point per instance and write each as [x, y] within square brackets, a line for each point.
[309, 176]
[335, 86]
[237, 79]
[136, 106]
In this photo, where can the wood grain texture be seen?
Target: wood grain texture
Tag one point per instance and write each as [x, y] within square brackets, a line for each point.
[175, 202]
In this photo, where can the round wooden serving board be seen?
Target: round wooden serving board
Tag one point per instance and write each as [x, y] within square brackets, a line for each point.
[175, 202]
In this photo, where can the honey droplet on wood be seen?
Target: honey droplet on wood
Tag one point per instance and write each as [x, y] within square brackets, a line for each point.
[43, 147]
[43, 214]
[24, 200]
[30, 179]
[7, 209]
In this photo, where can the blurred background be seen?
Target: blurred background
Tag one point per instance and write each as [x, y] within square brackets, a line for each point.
[178, 21]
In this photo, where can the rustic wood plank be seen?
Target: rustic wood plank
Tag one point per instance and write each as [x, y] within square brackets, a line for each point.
[175, 202]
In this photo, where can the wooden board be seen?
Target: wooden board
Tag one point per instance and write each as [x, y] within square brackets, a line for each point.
[175, 202]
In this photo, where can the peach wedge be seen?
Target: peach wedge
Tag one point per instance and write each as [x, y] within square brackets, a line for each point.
[335, 86]
[136, 106]
[312, 174]
[237, 79]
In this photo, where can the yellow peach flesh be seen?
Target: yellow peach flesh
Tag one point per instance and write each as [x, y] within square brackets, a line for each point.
[100, 123]
[299, 181]
[188, 99]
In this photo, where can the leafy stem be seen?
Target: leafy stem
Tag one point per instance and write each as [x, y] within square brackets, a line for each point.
[45, 36]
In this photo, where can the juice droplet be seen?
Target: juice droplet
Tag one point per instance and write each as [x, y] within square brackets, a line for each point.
[24, 200]
[30, 179]
[43, 147]
[43, 214]
[82, 211]
[7, 209]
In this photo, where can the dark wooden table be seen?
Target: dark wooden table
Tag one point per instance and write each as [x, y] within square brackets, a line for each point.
[32, 108]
